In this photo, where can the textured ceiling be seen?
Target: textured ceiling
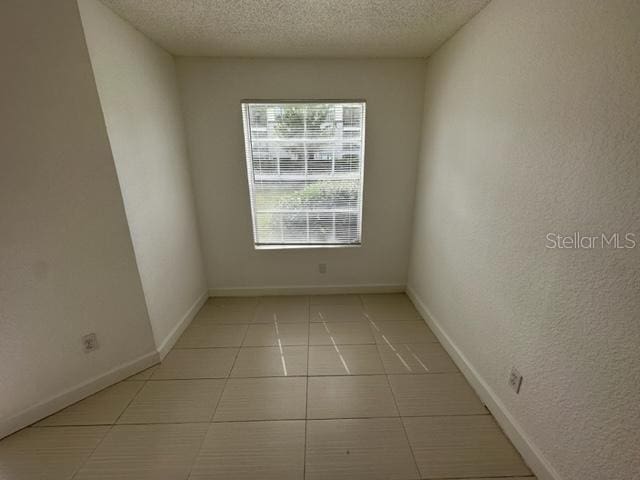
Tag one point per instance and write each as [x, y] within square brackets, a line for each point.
[298, 28]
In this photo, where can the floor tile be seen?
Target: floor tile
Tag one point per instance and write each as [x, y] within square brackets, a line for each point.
[354, 449]
[252, 450]
[225, 314]
[416, 358]
[284, 300]
[402, 332]
[196, 363]
[338, 299]
[344, 360]
[376, 298]
[270, 362]
[366, 377]
[143, 375]
[350, 397]
[270, 398]
[281, 313]
[391, 311]
[208, 336]
[266, 335]
[174, 401]
[462, 447]
[47, 453]
[326, 333]
[337, 313]
[102, 408]
[145, 452]
[214, 307]
[436, 394]
[232, 301]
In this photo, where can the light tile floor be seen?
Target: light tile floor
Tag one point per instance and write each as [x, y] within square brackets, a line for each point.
[296, 387]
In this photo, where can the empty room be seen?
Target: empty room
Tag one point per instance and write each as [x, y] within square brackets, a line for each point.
[320, 239]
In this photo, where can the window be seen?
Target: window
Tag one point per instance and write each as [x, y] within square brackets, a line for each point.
[305, 167]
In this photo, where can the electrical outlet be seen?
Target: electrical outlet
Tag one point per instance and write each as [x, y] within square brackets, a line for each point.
[90, 342]
[515, 380]
[322, 267]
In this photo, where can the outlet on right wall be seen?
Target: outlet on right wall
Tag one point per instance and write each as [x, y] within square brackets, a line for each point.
[530, 131]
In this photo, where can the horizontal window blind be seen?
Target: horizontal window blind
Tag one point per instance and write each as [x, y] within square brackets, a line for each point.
[305, 167]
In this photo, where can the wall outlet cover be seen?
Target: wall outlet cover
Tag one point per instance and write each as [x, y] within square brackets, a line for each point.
[90, 342]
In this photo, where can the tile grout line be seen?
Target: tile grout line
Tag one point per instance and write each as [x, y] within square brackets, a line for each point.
[306, 398]
[226, 379]
[224, 386]
[131, 401]
[86, 460]
[111, 427]
[395, 400]
[406, 435]
[384, 320]
[270, 420]
[302, 345]
[404, 429]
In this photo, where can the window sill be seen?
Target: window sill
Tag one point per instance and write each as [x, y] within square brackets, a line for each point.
[305, 247]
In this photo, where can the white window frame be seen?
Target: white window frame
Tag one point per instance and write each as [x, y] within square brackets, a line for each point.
[249, 165]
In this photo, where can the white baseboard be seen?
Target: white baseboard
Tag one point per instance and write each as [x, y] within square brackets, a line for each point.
[529, 451]
[305, 290]
[76, 393]
[171, 339]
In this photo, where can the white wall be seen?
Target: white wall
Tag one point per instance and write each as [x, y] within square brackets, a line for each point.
[67, 266]
[137, 85]
[531, 126]
[212, 91]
